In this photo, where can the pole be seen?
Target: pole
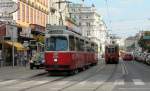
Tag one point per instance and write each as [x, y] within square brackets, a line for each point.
[60, 13]
[13, 48]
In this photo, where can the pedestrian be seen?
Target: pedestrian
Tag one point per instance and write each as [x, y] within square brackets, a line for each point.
[25, 60]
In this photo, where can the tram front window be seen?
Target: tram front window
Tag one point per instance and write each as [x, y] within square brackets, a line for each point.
[111, 50]
[57, 44]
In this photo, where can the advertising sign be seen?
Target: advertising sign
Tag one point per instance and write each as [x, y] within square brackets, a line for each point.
[8, 6]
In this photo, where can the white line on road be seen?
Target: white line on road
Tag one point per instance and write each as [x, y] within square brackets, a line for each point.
[119, 82]
[28, 84]
[98, 82]
[61, 82]
[83, 83]
[138, 82]
[7, 82]
[142, 89]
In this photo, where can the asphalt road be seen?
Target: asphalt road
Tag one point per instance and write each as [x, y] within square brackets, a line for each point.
[126, 76]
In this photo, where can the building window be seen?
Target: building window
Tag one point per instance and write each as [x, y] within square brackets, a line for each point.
[88, 33]
[37, 17]
[44, 20]
[31, 15]
[41, 16]
[23, 12]
[34, 16]
[19, 11]
[27, 13]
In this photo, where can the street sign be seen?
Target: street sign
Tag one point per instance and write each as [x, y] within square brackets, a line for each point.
[8, 6]
[26, 44]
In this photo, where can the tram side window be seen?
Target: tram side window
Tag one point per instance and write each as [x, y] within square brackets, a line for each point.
[71, 43]
[95, 48]
[77, 44]
[88, 47]
[81, 45]
[92, 48]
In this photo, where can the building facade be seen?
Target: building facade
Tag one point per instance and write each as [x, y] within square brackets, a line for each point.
[58, 12]
[31, 12]
[90, 23]
[28, 23]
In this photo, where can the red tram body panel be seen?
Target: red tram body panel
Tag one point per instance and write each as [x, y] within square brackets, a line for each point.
[112, 53]
[68, 51]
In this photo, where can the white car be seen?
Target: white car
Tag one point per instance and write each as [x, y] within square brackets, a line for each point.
[148, 58]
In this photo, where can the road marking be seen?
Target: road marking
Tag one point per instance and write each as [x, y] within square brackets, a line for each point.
[119, 82]
[62, 82]
[134, 89]
[83, 83]
[138, 82]
[28, 84]
[124, 69]
[7, 82]
[98, 82]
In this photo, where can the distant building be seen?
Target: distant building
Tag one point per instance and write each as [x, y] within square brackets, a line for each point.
[130, 43]
[90, 22]
[55, 7]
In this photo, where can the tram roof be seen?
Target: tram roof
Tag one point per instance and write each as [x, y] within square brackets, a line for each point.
[63, 30]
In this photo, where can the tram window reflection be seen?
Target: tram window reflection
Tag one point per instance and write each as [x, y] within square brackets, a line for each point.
[71, 43]
[59, 43]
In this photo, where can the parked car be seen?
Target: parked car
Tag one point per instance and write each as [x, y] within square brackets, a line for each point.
[141, 57]
[127, 57]
[37, 61]
[147, 59]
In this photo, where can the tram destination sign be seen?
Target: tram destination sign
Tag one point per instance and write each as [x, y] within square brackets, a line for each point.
[8, 6]
[55, 32]
[55, 29]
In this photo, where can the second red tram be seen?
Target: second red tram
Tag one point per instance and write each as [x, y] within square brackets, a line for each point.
[112, 53]
[68, 51]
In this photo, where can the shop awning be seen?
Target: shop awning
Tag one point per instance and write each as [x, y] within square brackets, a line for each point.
[17, 45]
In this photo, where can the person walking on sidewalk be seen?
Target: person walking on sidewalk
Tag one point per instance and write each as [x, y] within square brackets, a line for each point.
[25, 60]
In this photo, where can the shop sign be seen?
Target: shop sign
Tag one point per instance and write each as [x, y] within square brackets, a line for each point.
[8, 6]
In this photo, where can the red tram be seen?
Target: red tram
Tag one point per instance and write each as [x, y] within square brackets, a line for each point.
[112, 53]
[68, 51]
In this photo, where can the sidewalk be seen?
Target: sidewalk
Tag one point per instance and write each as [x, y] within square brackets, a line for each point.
[18, 72]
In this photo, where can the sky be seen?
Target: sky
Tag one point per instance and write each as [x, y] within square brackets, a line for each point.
[123, 17]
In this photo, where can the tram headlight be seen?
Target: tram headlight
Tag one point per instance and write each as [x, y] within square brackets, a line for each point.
[55, 60]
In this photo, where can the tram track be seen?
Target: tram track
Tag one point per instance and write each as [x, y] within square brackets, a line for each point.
[35, 77]
[110, 77]
[90, 76]
[63, 78]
